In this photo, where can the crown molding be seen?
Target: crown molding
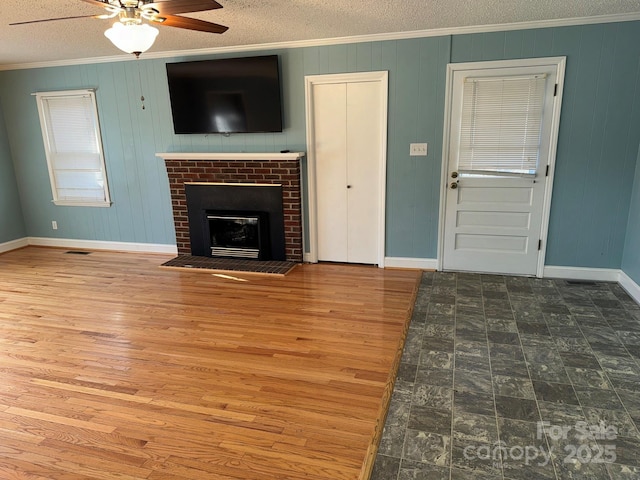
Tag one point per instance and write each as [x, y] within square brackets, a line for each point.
[436, 32]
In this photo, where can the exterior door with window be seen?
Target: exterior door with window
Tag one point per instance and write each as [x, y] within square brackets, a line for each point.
[503, 122]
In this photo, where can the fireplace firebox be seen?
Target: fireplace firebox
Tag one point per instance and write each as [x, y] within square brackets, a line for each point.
[239, 234]
[236, 220]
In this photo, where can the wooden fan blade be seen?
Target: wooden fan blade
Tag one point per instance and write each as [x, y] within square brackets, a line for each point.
[192, 24]
[173, 7]
[53, 19]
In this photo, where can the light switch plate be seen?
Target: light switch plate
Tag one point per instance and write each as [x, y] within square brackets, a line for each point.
[418, 149]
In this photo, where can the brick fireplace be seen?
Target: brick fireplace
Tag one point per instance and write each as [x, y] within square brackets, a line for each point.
[249, 168]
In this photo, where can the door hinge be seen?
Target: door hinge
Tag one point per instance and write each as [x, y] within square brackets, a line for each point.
[540, 244]
[555, 90]
[546, 174]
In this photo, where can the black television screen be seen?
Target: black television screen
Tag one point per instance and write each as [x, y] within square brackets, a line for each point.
[233, 95]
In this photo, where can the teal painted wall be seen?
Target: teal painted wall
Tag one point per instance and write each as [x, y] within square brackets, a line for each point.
[599, 136]
[141, 210]
[11, 223]
[631, 256]
[599, 132]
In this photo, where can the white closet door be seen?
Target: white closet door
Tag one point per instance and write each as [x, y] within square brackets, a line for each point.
[363, 160]
[347, 133]
[330, 113]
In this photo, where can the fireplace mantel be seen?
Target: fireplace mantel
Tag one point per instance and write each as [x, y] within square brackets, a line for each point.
[230, 156]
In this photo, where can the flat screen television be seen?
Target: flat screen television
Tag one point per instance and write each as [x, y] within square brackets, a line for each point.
[232, 95]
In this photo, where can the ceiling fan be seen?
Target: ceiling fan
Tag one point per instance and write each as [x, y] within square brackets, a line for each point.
[131, 35]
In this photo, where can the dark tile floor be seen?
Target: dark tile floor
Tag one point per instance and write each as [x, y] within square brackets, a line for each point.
[516, 378]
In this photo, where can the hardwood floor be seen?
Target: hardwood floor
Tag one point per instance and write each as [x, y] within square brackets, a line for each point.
[112, 367]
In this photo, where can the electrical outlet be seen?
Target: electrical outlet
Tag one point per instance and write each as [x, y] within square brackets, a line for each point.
[54, 224]
[418, 149]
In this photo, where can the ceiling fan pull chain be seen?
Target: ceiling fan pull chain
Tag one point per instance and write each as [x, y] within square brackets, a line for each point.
[141, 92]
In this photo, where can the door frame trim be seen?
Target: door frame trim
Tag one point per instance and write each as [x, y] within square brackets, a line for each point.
[310, 81]
[560, 64]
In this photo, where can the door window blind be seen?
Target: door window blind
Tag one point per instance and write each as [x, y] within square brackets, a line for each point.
[501, 124]
[73, 147]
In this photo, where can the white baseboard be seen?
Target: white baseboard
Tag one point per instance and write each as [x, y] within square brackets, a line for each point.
[582, 273]
[597, 275]
[399, 262]
[103, 245]
[14, 245]
[630, 286]
[406, 262]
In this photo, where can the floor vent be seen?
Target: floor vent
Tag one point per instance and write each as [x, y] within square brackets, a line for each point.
[76, 252]
[580, 282]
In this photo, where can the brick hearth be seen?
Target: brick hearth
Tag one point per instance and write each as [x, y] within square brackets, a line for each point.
[253, 168]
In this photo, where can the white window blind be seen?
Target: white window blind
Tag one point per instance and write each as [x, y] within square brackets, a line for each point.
[501, 124]
[71, 133]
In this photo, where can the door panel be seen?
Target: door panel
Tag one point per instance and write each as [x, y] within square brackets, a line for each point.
[483, 192]
[493, 225]
[491, 243]
[331, 173]
[363, 154]
[497, 219]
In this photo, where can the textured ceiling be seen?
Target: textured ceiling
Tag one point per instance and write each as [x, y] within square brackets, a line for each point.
[253, 22]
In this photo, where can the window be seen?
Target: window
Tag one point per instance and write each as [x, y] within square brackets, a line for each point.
[73, 147]
[501, 124]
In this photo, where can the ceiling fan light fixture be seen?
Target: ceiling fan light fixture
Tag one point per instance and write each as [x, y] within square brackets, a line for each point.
[132, 37]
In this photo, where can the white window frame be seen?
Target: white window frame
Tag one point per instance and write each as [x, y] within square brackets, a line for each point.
[54, 157]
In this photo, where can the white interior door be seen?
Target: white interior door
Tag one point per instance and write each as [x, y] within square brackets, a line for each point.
[363, 171]
[330, 120]
[503, 121]
[347, 153]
